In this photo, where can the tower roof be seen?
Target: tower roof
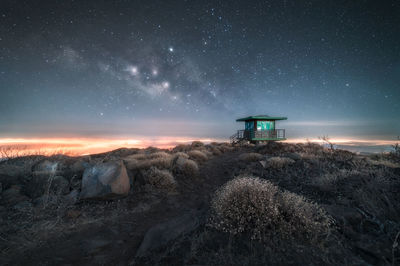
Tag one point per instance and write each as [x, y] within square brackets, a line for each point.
[261, 117]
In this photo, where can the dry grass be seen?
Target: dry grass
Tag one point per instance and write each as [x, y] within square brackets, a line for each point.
[383, 162]
[257, 207]
[160, 179]
[198, 155]
[250, 157]
[279, 162]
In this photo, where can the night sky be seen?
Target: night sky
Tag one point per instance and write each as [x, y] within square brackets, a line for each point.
[190, 68]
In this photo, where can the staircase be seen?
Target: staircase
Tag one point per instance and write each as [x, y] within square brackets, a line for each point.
[234, 138]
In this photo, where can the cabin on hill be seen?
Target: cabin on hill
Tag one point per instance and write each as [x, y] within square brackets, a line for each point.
[259, 129]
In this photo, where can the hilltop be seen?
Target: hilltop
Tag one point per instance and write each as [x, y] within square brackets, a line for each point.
[202, 204]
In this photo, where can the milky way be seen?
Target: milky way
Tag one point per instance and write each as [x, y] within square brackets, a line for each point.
[190, 68]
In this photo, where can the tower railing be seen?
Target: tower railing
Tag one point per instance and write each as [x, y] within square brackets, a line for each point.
[258, 134]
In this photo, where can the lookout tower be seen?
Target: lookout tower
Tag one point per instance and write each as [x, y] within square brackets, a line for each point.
[259, 128]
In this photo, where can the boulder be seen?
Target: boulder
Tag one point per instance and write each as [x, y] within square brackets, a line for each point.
[105, 181]
[72, 197]
[36, 185]
[59, 185]
[46, 166]
[13, 196]
[39, 185]
[160, 234]
[294, 156]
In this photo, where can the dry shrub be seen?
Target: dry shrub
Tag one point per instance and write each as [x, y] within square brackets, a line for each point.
[161, 179]
[159, 160]
[198, 155]
[250, 157]
[270, 148]
[301, 217]
[215, 150]
[245, 204]
[225, 147]
[182, 148]
[309, 156]
[197, 144]
[377, 195]
[160, 154]
[138, 156]
[279, 162]
[180, 154]
[206, 152]
[257, 207]
[190, 168]
[329, 181]
[383, 162]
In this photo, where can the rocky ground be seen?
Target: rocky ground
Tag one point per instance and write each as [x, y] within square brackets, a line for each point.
[152, 206]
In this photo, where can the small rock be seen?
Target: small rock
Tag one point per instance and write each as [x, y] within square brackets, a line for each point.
[105, 181]
[263, 163]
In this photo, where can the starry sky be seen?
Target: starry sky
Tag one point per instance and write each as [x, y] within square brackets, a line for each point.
[190, 68]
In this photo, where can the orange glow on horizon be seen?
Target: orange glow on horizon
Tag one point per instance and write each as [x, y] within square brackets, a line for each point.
[346, 141]
[85, 146]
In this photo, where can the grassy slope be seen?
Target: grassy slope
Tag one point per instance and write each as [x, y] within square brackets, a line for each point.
[360, 193]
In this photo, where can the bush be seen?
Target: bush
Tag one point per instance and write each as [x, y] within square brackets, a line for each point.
[250, 157]
[256, 207]
[215, 150]
[279, 162]
[159, 160]
[198, 155]
[197, 144]
[190, 168]
[161, 179]
[303, 218]
[180, 154]
[245, 204]
[182, 148]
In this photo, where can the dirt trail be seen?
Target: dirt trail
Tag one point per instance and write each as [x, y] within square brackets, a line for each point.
[115, 240]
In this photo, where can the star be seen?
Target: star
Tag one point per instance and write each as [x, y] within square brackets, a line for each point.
[165, 84]
[133, 70]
